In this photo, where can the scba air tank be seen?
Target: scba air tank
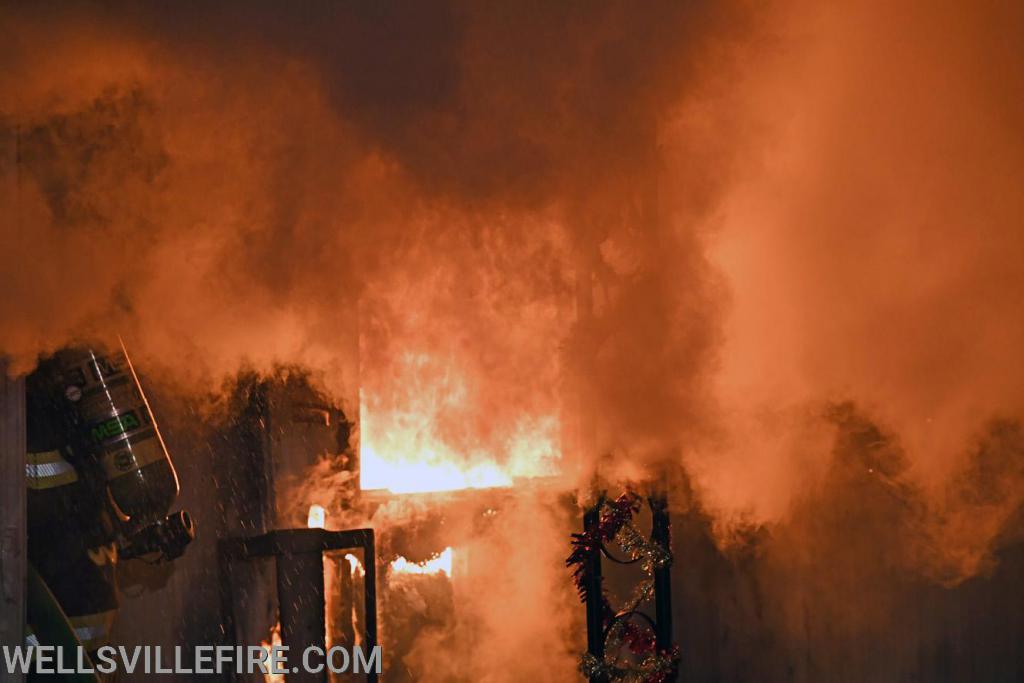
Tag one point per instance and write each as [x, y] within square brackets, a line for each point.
[113, 426]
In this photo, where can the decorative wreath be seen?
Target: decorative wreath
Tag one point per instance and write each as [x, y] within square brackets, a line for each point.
[652, 665]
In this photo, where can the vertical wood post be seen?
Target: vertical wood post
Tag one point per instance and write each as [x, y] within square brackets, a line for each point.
[12, 514]
[595, 591]
[661, 534]
[12, 456]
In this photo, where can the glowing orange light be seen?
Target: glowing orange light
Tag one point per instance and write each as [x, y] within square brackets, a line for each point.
[275, 641]
[317, 517]
[442, 564]
[403, 449]
[355, 567]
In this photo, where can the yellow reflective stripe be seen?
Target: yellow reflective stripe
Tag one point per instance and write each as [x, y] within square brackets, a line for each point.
[48, 469]
[93, 630]
[44, 457]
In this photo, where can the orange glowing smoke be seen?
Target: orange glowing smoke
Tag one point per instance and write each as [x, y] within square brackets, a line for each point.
[763, 207]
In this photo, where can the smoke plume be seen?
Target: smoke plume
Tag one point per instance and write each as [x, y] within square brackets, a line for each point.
[672, 237]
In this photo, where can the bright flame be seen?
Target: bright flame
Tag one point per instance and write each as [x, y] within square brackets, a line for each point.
[355, 567]
[275, 641]
[317, 517]
[404, 449]
[442, 564]
[428, 472]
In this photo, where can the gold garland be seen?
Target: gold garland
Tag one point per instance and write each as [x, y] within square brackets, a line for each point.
[654, 666]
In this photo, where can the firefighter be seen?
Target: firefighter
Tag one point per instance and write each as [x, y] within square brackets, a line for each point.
[100, 484]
